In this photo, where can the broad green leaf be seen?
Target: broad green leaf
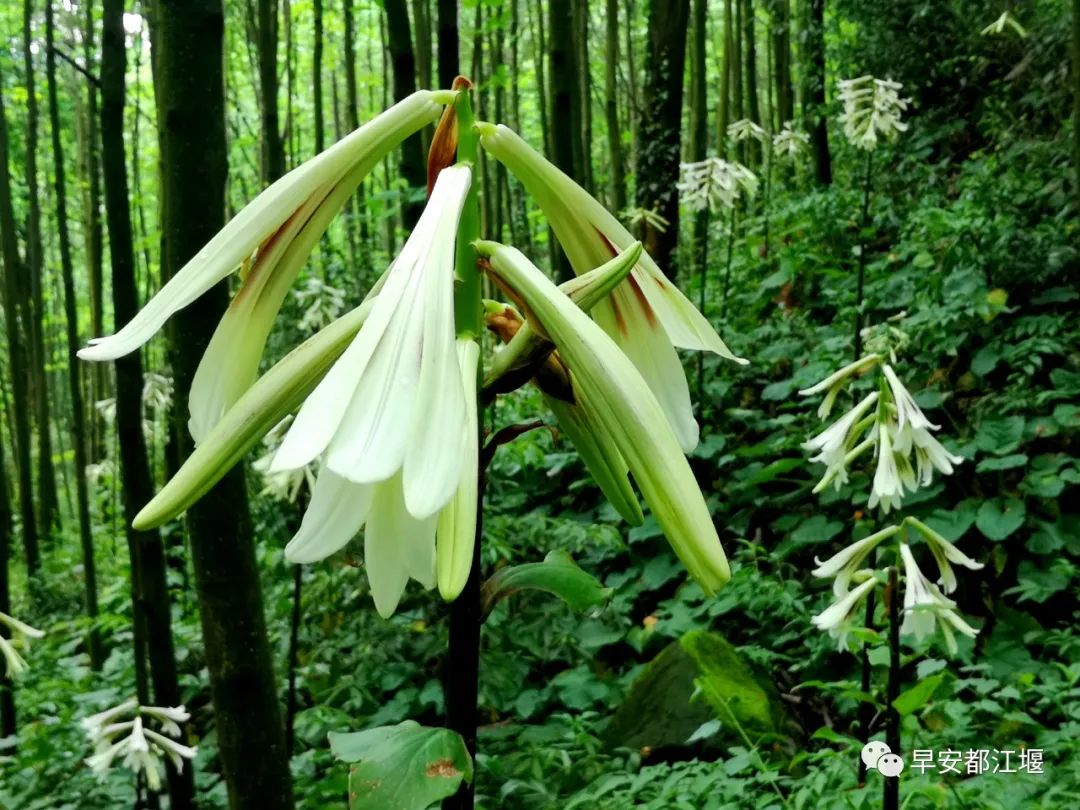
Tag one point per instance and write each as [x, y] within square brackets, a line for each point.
[404, 767]
[1000, 436]
[558, 575]
[919, 695]
[953, 523]
[1003, 463]
[1000, 517]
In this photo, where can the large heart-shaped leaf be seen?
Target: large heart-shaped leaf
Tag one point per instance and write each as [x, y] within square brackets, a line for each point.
[402, 767]
[558, 575]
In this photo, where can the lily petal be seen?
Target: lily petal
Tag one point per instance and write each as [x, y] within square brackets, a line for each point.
[337, 510]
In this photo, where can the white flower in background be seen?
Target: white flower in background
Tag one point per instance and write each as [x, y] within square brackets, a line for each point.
[998, 26]
[744, 129]
[889, 477]
[282, 485]
[106, 409]
[839, 617]
[322, 303]
[913, 431]
[100, 471]
[872, 108]
[650, 216]
[157, 393]
[390, 416]
[925, 604]
[142, 749]
[715, 183]
[20, 633]
[945, 554]
[836, 381]
[845, 563]
[789, 143]
[835, 442]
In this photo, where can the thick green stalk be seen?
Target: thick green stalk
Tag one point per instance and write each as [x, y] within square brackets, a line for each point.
[864, 222]
[468, 310]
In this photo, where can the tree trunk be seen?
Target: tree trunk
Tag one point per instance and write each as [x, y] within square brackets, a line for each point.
[150, 591]
[723, 113]
[1076, 96]
[738, 109]
[7, 685]
[357, 207]
[581, 35]
[71, 315]
[273, 149]
[316, 77]
[699, 120]
[611, 109]
[422, 17]
[753, 109]
[17, 360]
[785, 96]
[563, 115]
[449, 57]
[661, 128]
[48, 512]
[814, 90]
[92, 235]
[413, 167]
[251, 739]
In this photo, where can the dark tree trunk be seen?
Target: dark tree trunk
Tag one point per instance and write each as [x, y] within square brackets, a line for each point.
[1076, 96]
[449, 46]
[661, 127]
[785, 97]
[273, 148]
[7, 686]
[316, 77]
[753, 109]
[17, 361]
[422, 18]
[48, 510]
[814, 90]
[738, 109]
[92, 235]
[699, 123]
[357, 207]
[564, 112]
[78, 414]
[611, 110]
[413, 166]
[723, 113]
[581, 38]
[150, 591]
[251, 738]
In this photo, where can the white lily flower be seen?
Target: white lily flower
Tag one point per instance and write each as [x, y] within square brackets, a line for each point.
[845, 563]
[647, 316]
[20, 632]
[838, 618]
[168, 717]
[95, 723]
[835, 382]
[715, 183]
[888, 487]
[281, 485]
[789, 143]
[744, 129]
[924, 603]
[872, 107]
[835, 441]
[648, 216]
[913, 431]
[322, 303]
[393, 402]
[998, 25]
[618, 402]
[945, 553]
[279, 229]
[175, 751]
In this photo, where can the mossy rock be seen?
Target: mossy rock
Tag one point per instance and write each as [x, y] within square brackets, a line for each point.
[659, 714]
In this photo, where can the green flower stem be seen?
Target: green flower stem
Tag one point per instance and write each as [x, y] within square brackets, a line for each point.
[703, 273]
[463, 653]
[727, 266]
[864, 222]
[891, 799]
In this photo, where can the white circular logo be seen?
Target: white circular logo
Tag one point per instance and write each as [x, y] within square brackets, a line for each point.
[890, 765]
[877, 756]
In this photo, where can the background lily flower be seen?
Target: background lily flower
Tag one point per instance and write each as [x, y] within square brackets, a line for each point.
[647, 316]
[625, 409]
[945, 553]
[394, 400]
[789, 143]
[142, 748]
[270, 238]
[744, 129]
[924, 604]
[835, 382]
[837, 618]
[846, 562]
[20, 632]
[835, 441]
[872, 107]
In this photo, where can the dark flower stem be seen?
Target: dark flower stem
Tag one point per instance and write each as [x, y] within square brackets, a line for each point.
[891, 799]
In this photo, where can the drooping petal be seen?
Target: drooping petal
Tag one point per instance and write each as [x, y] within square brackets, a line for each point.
[455, 534]
[264, 215]
[337, 510]
[396, 546]
[627, 410]
[273, 396]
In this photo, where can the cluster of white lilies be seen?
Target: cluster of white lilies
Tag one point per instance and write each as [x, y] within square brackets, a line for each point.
[14, 635]
[124, 732]
[385, 396]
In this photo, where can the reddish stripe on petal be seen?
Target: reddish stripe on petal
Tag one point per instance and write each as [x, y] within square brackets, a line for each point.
[614, 251]
[650, 316]
[620, 321]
